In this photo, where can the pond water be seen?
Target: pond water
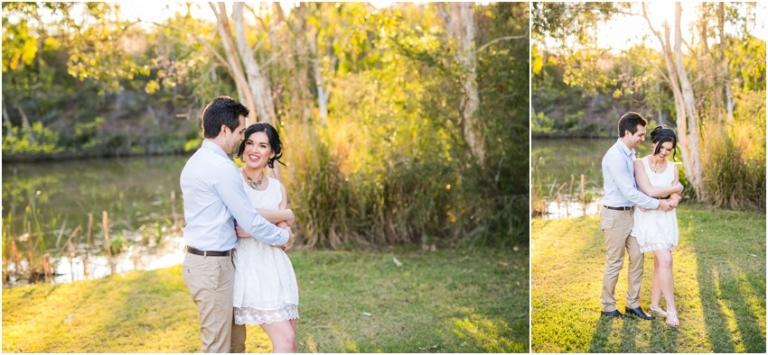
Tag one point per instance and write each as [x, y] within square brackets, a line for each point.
[557, 166]
[142, 200]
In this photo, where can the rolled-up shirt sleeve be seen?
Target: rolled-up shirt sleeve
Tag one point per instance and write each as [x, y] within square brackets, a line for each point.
[229, 186]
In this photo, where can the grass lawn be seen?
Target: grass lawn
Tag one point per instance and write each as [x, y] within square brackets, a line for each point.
[473, 300]
[719, 270]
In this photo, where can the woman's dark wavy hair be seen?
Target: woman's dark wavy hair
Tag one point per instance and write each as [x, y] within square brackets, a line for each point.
[274, 142]
[662, 134]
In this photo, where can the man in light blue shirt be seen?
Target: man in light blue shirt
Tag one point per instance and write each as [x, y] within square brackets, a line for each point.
[214, 200]
[616, 216]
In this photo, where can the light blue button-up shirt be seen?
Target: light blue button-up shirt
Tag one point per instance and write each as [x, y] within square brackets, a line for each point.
[214, 198]
[619, 179]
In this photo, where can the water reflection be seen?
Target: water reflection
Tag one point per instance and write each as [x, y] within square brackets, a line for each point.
[556, 210]
[54, 211]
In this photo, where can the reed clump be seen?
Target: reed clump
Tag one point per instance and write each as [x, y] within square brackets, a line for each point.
[394, 198]
[734, 166]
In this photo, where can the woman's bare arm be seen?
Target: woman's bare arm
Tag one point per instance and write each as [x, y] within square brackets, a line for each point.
[644, 184]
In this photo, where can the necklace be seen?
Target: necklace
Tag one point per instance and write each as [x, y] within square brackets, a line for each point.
[251, 183]
[656, 167]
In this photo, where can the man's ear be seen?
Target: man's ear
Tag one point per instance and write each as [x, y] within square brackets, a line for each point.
[223, 129]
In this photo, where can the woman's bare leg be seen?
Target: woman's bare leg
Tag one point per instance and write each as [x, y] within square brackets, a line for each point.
[655, 287]
[666, 282]
[282, 335]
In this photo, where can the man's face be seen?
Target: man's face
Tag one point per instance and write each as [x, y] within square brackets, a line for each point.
[634, 140]
[236, 136]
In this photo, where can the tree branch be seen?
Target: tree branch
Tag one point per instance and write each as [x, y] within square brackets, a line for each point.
[501, 39]
[201, 40]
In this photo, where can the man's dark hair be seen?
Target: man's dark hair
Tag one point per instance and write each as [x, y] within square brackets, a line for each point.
[274, 142]
[223, 110]
[629, 122]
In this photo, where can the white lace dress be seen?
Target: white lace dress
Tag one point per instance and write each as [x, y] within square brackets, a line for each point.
[656, 229]
[265, 284]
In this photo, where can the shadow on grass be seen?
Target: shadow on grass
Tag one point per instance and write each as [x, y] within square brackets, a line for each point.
[727, 284]
[601, 334]
[663, 337]
[717, 294]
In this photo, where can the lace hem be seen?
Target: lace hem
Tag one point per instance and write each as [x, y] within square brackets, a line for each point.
[655, 246]
[252, 316]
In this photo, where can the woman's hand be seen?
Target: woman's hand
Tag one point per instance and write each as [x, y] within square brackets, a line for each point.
[290, 217]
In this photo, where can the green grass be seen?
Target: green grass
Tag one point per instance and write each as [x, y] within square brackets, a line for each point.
[719, 270]
[444, 301]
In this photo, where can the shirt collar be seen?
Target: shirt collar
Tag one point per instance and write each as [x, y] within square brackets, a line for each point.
[208, 144]
[623, 147]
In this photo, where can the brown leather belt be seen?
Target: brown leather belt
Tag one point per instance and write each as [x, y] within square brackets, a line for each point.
[208, 252]
[623, 208]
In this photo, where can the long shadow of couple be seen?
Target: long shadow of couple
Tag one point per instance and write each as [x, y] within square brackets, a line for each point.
[662, 338]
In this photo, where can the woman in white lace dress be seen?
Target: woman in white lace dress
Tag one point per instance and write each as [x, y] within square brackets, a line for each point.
[656, 231]
[266, 292]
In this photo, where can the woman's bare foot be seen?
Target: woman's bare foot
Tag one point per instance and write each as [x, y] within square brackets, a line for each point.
[672, 320]
[658, 311]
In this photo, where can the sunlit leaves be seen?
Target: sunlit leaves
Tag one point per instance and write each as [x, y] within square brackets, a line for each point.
[19, 46]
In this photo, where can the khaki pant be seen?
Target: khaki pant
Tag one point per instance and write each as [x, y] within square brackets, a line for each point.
[238, 338]
[617, 225]
[210, 280]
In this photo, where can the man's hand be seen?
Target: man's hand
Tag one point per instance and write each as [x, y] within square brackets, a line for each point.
[664, 205]
[241, 233]
[291, 239]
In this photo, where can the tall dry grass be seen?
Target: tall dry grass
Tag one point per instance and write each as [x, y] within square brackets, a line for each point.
[394, 200]
[734, 159]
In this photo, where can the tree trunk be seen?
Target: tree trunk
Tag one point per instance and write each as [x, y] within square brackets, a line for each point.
[243, 90]
[301, 92]
[259, 84]
[687, 120]
[322, 93]
[25, 126]
[460, 26]
[7, 120]
[691, 114]
[726, 75]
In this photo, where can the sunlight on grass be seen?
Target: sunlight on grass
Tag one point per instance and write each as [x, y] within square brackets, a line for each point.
[351, 301]
[487, 333]
[719, 287]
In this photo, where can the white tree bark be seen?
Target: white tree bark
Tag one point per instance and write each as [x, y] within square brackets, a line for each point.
[261, 93]
[243, 90]
[687, 117]
[322, 94]
[460, 26]
[7, 119]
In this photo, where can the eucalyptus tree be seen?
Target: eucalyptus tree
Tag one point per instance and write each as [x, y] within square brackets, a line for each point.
[696, 70]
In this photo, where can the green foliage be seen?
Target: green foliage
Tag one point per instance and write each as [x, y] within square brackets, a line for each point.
[85, 133]
[390, 167]
[34, 141]
[393, 110]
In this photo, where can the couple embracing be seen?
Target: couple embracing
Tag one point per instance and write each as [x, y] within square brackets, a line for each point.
[638, 215]
[237, 232]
